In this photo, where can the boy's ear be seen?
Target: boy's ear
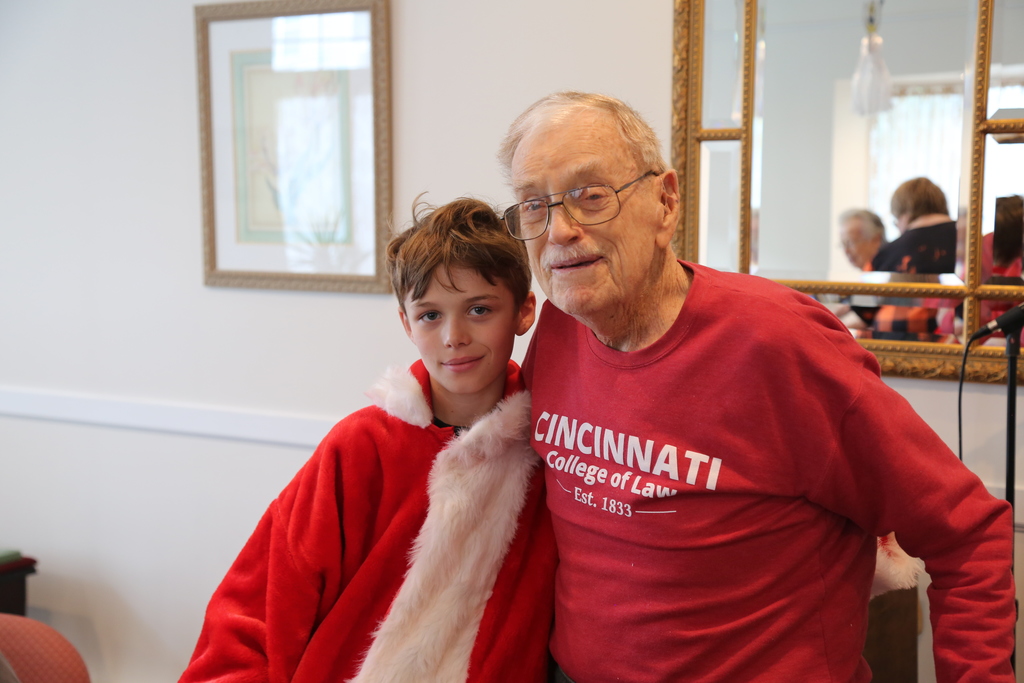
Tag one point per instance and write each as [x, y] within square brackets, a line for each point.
[405, 322]
[527, 313]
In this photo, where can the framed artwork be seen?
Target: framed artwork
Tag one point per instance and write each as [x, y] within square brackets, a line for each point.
[294, 114]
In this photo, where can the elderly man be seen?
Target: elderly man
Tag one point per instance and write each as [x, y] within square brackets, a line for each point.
[721, 454]
[862, 234]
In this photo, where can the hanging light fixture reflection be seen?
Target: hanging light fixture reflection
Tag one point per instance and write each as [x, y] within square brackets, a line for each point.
[871, 80]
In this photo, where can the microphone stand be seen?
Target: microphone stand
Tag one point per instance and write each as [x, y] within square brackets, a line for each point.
[1012, 353]
[1010, 324]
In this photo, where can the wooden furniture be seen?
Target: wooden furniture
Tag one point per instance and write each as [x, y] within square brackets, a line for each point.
[891, 645]
[12, 584]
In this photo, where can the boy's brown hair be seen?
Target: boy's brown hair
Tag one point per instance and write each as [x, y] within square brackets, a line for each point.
[465, 233]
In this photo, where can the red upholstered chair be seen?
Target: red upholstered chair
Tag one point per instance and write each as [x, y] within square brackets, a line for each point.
[38, 653]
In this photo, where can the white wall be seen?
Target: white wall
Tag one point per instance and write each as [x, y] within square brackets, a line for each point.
[104, 319]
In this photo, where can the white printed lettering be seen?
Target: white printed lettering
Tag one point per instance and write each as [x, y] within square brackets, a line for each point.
[667, 462]
[585, 498]
[585, 428]
[551, 428]
[643, 457]
[563, 430]
[665, 492]
[696, 460]
[537, 431]
[611, 447]
[716, 465]
[636, 452]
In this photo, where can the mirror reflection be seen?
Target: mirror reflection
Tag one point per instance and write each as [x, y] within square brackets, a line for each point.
[820, 159]
[865, 161]
[1006, 69]
[1002, 226]
[722, 64]
[1001, 257]
[898, 318]
[719, 220]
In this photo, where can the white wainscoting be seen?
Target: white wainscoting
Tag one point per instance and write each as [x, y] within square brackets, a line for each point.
[165, 416]
[212, 421]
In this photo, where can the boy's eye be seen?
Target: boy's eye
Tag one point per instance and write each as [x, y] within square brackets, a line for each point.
[479, 310]
[430, 316]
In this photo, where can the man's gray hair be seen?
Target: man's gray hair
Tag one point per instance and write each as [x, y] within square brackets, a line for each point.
[870, 220]
[639, 136]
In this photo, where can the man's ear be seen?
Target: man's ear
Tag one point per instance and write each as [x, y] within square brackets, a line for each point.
[669, 207]
[527, 314]
[405, 321]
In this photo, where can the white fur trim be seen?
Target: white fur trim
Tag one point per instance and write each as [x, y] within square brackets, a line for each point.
[477, 488]
[894, 568]
[400, 394]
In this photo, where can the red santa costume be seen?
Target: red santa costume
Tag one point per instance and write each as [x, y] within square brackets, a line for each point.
[397, 553]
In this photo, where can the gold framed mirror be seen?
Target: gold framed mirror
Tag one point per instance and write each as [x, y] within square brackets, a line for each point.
[772, 155]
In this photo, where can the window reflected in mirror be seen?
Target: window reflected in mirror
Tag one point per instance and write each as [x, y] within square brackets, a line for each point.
[719, 222]
[721, 101]
[1006, 69]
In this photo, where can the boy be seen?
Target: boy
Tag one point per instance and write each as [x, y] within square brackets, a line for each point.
[415, 544]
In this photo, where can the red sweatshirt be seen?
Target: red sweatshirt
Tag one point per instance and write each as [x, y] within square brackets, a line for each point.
[716, 498]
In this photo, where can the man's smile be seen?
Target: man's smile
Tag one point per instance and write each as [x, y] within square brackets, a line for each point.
[574, 262]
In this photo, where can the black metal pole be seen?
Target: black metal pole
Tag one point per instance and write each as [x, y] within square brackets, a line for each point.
[1012, 352]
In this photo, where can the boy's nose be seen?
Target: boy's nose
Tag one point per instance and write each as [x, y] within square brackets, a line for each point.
[456, 334]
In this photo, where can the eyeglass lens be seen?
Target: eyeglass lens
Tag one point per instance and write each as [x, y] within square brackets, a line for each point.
[586, 205]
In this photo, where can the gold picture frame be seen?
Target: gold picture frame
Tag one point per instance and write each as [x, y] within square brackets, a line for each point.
[905, 359]
[295, 128]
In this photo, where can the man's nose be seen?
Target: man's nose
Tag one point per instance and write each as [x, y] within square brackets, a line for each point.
[563, 228]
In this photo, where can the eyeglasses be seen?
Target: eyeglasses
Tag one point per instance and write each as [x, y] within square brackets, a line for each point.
[590, 205]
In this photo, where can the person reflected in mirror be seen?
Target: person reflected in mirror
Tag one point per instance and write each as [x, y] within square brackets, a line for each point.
[862, 234]
[926, 245]
[1001, 252]
[1004, 243]
[927, 241]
